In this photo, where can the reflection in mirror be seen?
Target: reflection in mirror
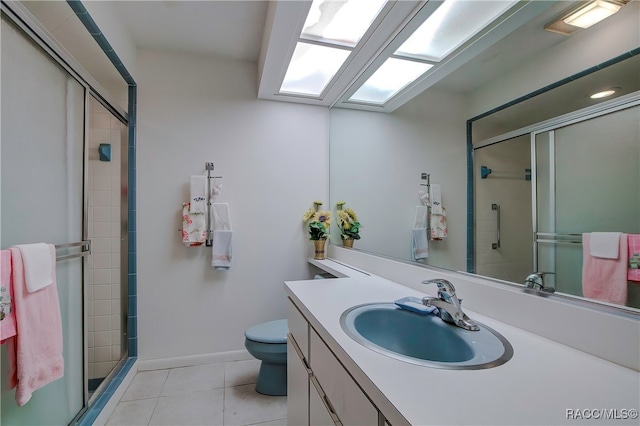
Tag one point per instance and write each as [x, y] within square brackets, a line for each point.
[377, 159]
[376, 166]
[566, 98]
[586, 178]
[503, 195]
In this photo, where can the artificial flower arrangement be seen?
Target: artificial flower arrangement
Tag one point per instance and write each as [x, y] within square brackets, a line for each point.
[347, 222]
[319, 222]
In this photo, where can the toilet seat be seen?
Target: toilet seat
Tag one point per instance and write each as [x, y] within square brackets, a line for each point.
[269, 332]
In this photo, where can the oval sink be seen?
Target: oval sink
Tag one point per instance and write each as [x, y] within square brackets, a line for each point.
[424, 339]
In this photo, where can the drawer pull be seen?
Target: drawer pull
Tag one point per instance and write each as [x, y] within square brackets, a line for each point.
[326, 401]
[295, 346]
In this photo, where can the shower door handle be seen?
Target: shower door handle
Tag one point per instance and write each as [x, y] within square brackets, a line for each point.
[497, 208]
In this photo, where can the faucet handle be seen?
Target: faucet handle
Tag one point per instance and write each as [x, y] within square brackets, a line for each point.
[446, 290]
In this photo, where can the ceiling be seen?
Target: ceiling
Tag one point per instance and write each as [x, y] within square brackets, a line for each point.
[234, 29]
[229, 29]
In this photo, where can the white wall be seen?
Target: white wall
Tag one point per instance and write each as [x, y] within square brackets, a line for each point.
[612, 37]
[273, 157]
[376, 163]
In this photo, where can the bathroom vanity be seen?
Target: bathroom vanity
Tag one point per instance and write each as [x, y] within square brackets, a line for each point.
[335, 380]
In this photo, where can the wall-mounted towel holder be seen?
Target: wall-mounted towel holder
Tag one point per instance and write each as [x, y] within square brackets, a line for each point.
[427, 177]
[210, 167]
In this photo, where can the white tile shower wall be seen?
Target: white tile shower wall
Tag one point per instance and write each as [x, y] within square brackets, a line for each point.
[273, 157]
[508, 188]
[104, 228]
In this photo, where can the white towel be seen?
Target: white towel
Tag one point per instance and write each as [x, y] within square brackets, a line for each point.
[38, 265]
[436, 199]
[420, 243]
[605, 245]
[198, 186]
[221, 249]
[420, 220]
[220, 215]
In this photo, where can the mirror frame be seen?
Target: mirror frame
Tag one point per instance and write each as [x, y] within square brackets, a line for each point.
[470, 255]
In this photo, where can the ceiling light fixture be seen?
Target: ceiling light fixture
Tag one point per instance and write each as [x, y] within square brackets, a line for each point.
[603, 94]
[587, 14]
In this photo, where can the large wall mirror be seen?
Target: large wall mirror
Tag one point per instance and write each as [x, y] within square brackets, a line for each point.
[554, 165]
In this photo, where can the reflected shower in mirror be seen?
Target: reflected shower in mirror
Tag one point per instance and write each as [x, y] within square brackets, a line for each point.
[583, 177]
[377, 160]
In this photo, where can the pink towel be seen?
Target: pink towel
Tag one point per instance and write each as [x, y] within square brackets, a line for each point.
[38, 344]
[634, 257]
[7, 312]
[604, 279]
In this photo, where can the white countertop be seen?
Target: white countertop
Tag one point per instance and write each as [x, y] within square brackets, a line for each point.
[537, 386]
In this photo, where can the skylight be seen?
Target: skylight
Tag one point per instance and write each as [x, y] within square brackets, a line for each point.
[376, 54]
[343, 22]
[452, 24]
[331, 31]
[311, 68]
[392, 76]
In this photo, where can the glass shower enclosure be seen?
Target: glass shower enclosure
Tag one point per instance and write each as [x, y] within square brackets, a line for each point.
[63, 179]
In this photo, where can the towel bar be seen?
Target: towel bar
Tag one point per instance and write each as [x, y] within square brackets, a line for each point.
[86, 249]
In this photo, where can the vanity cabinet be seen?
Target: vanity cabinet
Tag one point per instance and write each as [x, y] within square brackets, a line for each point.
[297, 385]
[345, 397]
[320, 390]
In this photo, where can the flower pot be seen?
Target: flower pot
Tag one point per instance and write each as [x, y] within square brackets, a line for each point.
[319, 245]
[348, 242]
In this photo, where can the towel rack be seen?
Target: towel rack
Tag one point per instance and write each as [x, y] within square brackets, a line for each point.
[85, 245]
[427, 177]
[210, 167]
[551, 237]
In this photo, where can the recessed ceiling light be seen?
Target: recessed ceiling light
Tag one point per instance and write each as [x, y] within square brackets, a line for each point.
[603, 94]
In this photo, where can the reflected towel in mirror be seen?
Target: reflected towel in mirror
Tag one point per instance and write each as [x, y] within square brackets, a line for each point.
[420, 243]
[605, 279]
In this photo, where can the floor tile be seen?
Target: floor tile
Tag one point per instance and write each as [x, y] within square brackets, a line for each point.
[146, 384]
[192, 379]
[244, 406]
[241, 372]
[132, 413]
[192, 408]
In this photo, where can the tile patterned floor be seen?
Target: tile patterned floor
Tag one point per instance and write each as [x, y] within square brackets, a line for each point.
[204, 395]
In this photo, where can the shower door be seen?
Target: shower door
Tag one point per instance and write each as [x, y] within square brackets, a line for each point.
[588, 180]
[42, 177]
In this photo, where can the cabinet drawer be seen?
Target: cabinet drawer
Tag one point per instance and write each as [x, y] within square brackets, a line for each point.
[319, 411]
[347, 399]
[297, 386]
[299, 328]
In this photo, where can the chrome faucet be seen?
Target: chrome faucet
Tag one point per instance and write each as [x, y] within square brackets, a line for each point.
[535, 281]
[448, 305]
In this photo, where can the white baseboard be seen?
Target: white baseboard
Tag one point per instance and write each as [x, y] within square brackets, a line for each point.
[115, 398]
[188, 361]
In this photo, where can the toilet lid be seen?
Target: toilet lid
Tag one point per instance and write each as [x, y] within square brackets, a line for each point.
[269, 332]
